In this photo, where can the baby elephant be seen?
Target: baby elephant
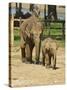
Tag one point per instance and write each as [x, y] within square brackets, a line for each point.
[49, 48]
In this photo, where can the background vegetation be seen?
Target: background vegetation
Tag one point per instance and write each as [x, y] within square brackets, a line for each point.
[55, 30]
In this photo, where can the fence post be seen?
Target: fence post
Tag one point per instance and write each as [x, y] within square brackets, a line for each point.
[20, 21]
[49, 23]
[12, 30]
[63, 30]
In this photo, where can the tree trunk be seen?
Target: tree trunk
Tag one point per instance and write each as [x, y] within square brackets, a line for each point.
[16, 8]
[44, 12]
[9, 45]
[20, 8]
[52, 13]
[31, 7]
[9, 9]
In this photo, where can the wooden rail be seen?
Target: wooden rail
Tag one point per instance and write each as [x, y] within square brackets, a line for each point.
[13, 20]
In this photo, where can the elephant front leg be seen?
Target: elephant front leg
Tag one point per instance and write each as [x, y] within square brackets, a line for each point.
[37, 49]
[28, 53]
[47, 61]
[54, 62]
[23, 54]
[50, 61]
[22, 46]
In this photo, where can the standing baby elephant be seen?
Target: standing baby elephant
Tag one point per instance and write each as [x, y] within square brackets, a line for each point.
[49, 53]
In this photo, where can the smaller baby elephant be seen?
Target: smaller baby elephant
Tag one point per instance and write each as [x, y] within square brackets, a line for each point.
[49, 48]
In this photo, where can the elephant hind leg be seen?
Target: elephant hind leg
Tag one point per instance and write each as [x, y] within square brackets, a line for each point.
[44, 60]
[49, 60]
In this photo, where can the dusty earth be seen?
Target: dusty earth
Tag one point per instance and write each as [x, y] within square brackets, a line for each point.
[35, 75]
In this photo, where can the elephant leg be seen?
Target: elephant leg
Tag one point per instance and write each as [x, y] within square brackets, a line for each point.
[47, 61]
[54, 62]
[28, 53]
[23, 54]
[43, 57]
[31, 49]
[37, 49]
[44, 60]
[22, 46]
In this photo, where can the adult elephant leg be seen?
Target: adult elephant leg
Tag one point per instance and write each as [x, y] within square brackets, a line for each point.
[43, 57]
[37, 50]
[44, 60]
[28, 53]
[23, 54]
[22, 46]
[50, 60]
[31, 49]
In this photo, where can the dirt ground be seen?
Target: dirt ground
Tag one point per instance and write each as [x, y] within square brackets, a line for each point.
[36, 75]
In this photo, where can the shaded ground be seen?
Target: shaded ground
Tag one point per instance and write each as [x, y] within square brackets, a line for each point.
[31, 75]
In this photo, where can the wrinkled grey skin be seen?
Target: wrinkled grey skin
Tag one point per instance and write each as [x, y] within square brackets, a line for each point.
[31, 30]
[49, 53]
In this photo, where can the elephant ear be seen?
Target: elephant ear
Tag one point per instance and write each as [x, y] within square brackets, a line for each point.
[28, 29]
[25, 28]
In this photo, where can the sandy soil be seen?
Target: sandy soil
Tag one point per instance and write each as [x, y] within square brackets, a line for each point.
[35, 75]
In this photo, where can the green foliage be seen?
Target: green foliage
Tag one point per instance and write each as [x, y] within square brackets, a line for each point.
[61, 43]
[54, 28]
[17, 36]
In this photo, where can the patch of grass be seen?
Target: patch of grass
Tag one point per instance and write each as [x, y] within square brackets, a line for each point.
[17, 37]
[54, 29]
[16, 34]
[16, 42]
[56, 25]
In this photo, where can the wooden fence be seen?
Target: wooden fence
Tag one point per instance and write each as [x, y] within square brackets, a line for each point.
[13, 26]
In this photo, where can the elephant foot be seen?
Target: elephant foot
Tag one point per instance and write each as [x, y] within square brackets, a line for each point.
[24, 60]
[31, 62]
[47, 66]
[43, 64]
[54, 68]
[37, 62]
[40, 62]
[27, 62]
